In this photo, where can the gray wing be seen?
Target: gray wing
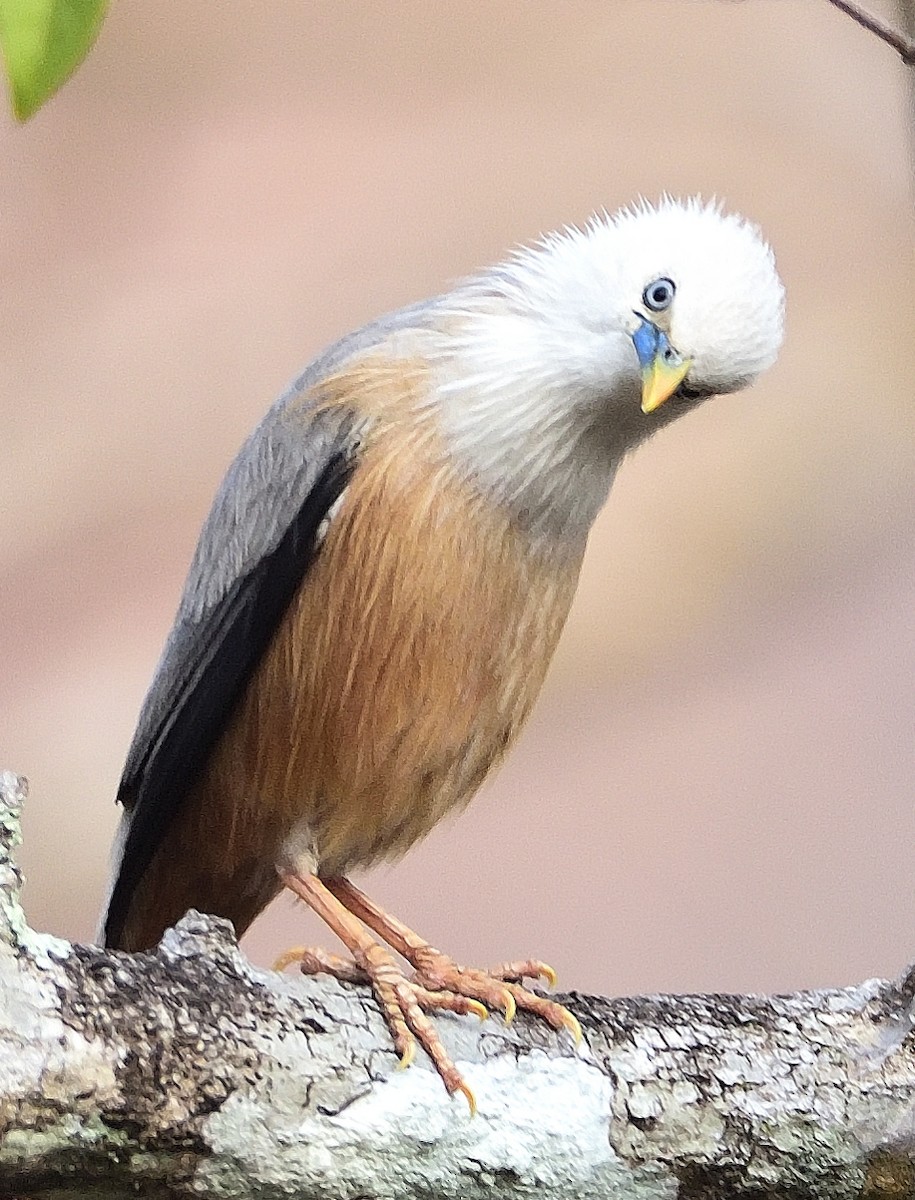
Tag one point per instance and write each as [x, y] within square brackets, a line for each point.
[262, 533]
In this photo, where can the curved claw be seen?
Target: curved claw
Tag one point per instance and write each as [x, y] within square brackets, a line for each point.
[510, 1007]
[294, 954]
[469, 1096]
[547, 973]
[409, 1053]
[574, 1027]
[478, 1009]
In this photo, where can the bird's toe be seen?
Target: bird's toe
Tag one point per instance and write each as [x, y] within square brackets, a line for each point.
[499, 989]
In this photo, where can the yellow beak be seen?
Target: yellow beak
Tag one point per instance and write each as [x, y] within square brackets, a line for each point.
[660, 380]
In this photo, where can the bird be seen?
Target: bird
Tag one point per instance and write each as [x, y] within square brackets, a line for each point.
[385, 572]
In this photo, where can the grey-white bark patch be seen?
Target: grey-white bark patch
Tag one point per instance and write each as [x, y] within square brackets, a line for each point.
[186, 1071]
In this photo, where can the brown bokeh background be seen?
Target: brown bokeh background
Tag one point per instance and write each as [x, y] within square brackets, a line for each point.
[716, 789]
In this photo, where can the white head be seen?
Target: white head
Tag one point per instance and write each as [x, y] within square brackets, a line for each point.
[573, 351]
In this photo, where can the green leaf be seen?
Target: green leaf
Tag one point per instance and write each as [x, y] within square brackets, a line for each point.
[43, 42]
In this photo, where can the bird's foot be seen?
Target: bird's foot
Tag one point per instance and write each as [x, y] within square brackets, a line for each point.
[312, 960]
[404, 1002]
[437, 983]
[500, 988]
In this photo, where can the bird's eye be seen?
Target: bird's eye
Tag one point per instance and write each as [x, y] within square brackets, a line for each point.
[659, 294]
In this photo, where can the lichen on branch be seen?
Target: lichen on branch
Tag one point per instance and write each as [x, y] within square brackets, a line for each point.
[187, 1071]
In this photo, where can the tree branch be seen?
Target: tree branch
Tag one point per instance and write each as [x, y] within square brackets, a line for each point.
[903, 45]
[189, 1072]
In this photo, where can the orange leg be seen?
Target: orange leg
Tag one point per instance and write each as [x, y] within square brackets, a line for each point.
[401, 1000]
[437, 983]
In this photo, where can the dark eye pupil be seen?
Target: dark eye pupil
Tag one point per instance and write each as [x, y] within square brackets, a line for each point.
[658, 295]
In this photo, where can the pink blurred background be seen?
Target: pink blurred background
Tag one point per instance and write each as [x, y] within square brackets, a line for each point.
[716, 789]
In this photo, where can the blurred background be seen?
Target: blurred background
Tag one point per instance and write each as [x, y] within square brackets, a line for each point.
[716, 790]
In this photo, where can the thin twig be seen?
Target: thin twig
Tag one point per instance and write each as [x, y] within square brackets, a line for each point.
[903, 45]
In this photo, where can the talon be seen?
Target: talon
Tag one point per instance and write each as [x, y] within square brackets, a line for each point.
[547, 973]
[409, 1053]
[469, 1096]
[478, 1009]
[295, 954]
[510, 1007]
[574, 1027]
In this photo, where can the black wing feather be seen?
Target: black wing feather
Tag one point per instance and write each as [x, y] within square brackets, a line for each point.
[229, 642]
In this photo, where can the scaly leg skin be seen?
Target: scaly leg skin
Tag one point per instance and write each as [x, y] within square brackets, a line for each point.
[402, 1001]
[312, 960]
[435, 971]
